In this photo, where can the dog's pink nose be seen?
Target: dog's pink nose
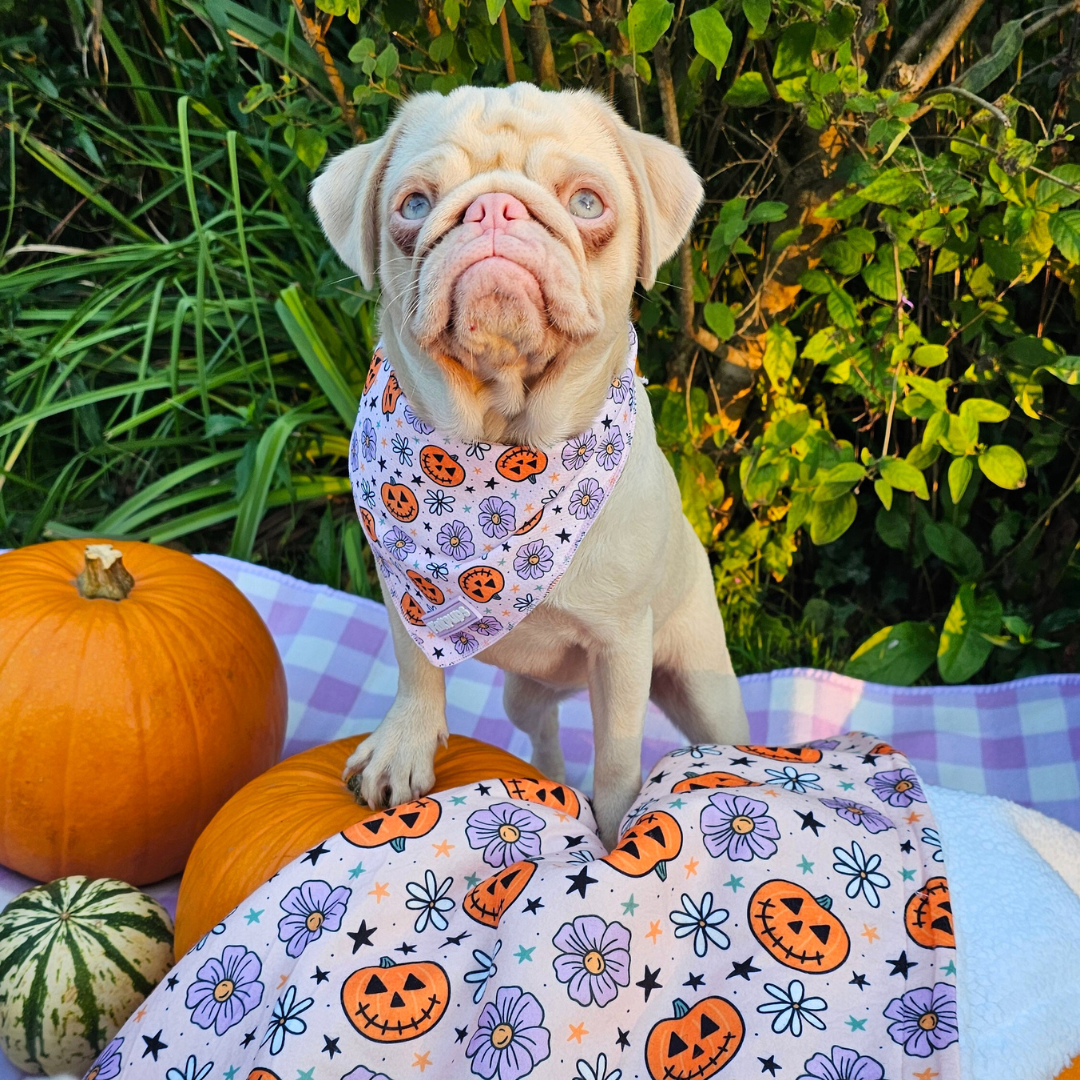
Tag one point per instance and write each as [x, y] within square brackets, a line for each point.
[496, 209]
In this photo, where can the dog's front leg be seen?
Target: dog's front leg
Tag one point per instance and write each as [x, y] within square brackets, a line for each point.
[394, 764]
[619, 677]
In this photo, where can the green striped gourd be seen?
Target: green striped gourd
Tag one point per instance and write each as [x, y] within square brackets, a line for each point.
[77, 956]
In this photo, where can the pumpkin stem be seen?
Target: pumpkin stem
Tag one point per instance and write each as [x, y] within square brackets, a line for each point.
[680, 1008]
[385, 961]
[825, 902]
[104, 577]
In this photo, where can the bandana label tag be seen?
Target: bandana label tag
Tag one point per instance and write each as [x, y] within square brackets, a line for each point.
[454, 615]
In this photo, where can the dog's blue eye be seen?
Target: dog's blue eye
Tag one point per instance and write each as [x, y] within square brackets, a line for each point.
[415, 207]
[585, 204]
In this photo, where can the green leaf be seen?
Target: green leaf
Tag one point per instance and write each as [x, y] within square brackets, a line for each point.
[1007, 43]
[932, 391]
[494, 10]
[767, 211]
[842, 257]
[850, 472]
[712, 38]
[747, 91]
[787, 238]
[1002, 465]
[779, 358]
[720, 320]
[1050, 195]
[904, 477]
[963, 647]
[441, 48]
[984, 411]
[1065, 232]
[954, 548]
[936, 426]
[893, 526]
[757, 14]
[522, 8]
[896, 655]
[883, 491]
[310, 147]
[830, 520]
[929, 355]
[794, 50]
[386, 62]
[1067, 369]
[363, 49]
[960, 470]
[892, 187]
[962, 435]
[452, 14]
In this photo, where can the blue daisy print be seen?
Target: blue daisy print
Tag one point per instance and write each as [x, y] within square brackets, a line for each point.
[367, 441]
[863, 871]
[438, 570]
[455, 540]
[533, 560]
[225, 989]
[478, 450]
[703, 920]
[599, 1071]
[190, 1071]
[401, 447]
[430, 900]
[791, 779]
[697, 753]
[508, 833]
[486, 969]
[399, 543]
[586, 499]
[497, 517]
[792, 1008]
[611, 448]
[367, 493]
[439, 503]
[311, 908]
[738, 827]
[578, 450]
[286, 1020]
[932, 839]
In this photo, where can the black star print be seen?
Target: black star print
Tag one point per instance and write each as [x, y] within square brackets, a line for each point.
[154, 1044]
[320, 976]
[743, 969]
[809, 821]
[694, 981]
[606, 422]
[491, 484]
[564, 536]
[382, 464]
[533, 906]
[461, 1033]
[839, 768]
[906, 847]
[658, 777]
[172, 981]
[870, 759]
[506, 547]
[456, 940]
[315, 854]
[470, 490]
[417, 480]
[405, 949]
[573, 841]
[396, 474]
[649, 983]
[483, 789]
[249, 1038]
[580, 882]
[331, 1046]
[769, 1064]
[740, 761]
[437, 653]
[428, 552]
[859, 981]
[624, 1038]
[902, 965]
[556, 509]
[362, 936]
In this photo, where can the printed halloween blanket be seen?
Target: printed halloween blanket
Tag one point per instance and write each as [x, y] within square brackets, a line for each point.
[767, 911]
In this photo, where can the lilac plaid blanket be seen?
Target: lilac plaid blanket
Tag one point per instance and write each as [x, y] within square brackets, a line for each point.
[1019, 740]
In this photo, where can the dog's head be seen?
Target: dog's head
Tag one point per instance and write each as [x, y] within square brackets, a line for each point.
[507, 226]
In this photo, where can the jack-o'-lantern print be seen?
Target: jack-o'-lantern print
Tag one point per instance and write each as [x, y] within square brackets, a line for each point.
[696, 1043]
[487, 901]
[521, 463]
[531, 523]
[928, 916]
[426, 587]
[797, 929]
[708, 781]
[440, 467]
[646, 846]
[411, 609]
[881, 749]
[545, 792]
[396, 825]
[372, 372]
[803, 755]
[481, 583]
[400, 502]
[368, 521]
[394, 1003]
[390, 396]
[255, 1074]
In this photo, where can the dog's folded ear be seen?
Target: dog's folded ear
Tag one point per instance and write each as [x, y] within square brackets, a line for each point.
[345, 196]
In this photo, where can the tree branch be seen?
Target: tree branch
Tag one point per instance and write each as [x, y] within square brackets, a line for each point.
[508, 56]
[909, 50]
[1046, 20]
[315, 35]
[918, 78]
[540, 52]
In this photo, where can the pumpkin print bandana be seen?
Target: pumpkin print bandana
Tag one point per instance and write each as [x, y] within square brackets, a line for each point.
[776, 911]
[470, 537]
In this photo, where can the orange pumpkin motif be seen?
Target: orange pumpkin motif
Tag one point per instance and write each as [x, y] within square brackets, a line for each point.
[396, 825]
[412, 611]
[482, 583]
[545, 792]
[440, 467]
[372, 372]
[426, 587]
[400, 501]
[262, 1074]
[487, 901]
[368, 521]
[646, 846]
[697, 1042]
[390, 396]
[709, 780]
[928, 916]
[521, 463]
[394, 1003]
[531, 523]
[802, 755]
[796, 928]
[883, 748]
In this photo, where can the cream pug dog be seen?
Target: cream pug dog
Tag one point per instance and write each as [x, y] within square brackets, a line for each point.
[508, 228]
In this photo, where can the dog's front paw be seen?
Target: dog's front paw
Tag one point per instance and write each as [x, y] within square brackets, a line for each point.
[391, 766]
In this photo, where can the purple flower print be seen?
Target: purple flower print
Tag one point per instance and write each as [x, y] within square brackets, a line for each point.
[533, 560]
[362, 1072]
[108, 1062]
[842, 1064]
[312, 908]
[586, 499]
[925, 1019]
[622, 386]
[401, 447]
[897, 787]
[611, 448]
[464, 642]
[594, 959]
[225, 989]
[354, 453]
[823, 744]
[487, 626]
[455, 540]
[497, 517]
[510, 1040]
[578, 450]
[874, 820]
[367, 441]
[416, 423]
[508, 833]
[399, 543]
[738, 827]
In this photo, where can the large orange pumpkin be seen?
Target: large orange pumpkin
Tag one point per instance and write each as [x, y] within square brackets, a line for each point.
[697, 1042]
[139, 689]
[291, 809]
[797, 928]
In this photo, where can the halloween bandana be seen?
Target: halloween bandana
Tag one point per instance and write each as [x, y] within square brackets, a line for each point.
[470, 537]
[767, 911]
